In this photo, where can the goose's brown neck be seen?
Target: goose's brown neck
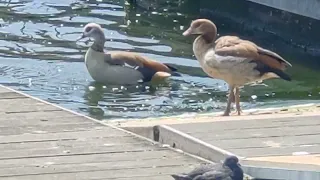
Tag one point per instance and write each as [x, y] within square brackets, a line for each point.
[210, 33]
[209, 38]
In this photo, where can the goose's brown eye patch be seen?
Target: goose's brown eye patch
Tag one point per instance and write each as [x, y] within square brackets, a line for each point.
[196, 25]
[88, 29]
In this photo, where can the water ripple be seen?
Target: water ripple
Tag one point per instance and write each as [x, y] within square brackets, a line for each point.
[39, 55]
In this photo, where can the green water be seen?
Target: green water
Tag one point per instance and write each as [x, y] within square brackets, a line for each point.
[39, 56]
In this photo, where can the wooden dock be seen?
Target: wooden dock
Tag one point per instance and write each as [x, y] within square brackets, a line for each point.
[39, 140]
[271, 146]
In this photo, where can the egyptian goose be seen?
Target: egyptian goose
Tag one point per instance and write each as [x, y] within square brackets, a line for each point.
[119, 67]
[234, 60]
[230, 169]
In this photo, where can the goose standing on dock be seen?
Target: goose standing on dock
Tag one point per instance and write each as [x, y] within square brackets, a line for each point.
[234, 60]
[120, 67]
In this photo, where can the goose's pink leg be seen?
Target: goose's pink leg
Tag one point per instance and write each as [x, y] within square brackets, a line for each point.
[237, 100]
[230, 99]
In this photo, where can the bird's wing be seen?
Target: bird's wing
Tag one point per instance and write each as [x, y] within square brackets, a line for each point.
[203, 169]
[213, 175]
[134, 60]
[236, 47]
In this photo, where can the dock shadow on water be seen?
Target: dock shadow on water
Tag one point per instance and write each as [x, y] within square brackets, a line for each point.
[40, 56]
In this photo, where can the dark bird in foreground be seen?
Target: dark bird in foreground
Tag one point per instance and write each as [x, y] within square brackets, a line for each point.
[230, 169]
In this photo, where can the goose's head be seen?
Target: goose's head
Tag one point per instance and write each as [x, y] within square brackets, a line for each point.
[94, 31]
[201, 27]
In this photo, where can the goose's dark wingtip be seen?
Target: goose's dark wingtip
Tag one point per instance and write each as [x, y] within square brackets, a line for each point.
[288, 79]
[171, 67]
[176, 74]
[285, 76]
[174, 70]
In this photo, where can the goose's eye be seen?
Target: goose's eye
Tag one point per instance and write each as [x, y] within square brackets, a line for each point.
[88, 29]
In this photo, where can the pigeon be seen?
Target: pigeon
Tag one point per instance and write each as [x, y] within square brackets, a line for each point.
[230, 169]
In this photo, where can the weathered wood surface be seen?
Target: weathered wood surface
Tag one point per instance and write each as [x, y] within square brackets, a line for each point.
[41, 141]
[260, 138]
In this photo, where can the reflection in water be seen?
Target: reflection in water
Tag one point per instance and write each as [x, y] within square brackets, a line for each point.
[39, 55]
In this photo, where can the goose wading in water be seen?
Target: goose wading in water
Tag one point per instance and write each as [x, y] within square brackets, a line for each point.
[230, 169]
[234, 60]
[120, 67]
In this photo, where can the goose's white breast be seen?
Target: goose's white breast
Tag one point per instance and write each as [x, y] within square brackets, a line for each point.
[103, 72]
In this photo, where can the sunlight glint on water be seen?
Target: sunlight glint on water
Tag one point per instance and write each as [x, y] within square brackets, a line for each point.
[39, 56]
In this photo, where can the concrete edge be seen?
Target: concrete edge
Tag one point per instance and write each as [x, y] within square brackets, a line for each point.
[151, 141]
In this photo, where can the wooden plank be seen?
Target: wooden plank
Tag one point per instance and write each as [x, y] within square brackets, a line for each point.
[24, 105]
[133, 173]
[34, 117]
[4, 90]
[97, 166]
[30, 124]
[281, 151]
[90, 158]
[62, 151]
[104, 132]
[291, 141]
[223, 126]
[259, 133]
[12, 107]
[20, 102]
[71, 127]
[80, 142]
[11, 95]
